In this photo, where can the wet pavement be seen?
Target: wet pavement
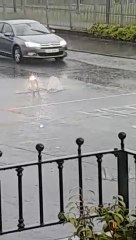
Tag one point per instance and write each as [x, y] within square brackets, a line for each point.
[99, 46]
[98, 100]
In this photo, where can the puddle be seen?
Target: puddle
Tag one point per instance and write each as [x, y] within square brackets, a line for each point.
[107, 77]
[88, 73]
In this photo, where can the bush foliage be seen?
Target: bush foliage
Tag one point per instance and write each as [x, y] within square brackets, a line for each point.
[117, 222]
[117, 32]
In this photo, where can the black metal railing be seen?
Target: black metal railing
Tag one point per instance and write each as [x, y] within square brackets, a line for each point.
[122, 179]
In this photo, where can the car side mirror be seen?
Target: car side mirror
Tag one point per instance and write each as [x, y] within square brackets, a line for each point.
[8, 34]
[52, 30]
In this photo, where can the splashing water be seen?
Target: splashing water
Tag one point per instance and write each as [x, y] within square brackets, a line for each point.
[33, 85]
[54, 84]
[38, 93]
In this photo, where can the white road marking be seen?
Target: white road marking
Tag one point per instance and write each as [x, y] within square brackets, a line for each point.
[117, 113]
[121, 111]
[73, 101]
[131, 107]
[86, 113]
[93, 114]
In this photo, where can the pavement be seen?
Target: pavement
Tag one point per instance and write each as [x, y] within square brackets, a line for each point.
[98, 100]
[81, 41]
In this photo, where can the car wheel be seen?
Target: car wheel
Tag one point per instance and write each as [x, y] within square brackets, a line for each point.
[59, 59]
[17, 55]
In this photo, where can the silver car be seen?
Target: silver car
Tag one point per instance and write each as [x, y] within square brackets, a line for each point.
[30, 39]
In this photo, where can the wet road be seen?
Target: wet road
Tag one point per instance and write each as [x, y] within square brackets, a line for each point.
[99, 46]
[98, 100]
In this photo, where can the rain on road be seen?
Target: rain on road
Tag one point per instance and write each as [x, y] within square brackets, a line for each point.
[97, 101]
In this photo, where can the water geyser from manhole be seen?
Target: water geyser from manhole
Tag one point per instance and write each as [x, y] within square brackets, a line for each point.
[54, 84]
[33, 85]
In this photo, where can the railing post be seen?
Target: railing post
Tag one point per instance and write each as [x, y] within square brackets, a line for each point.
[0, 210]
[0, 203]
[135, 180]
[123, 178]
[39, 148]
[21, 224]
[79, 142]
[61, 213]
[99, 161]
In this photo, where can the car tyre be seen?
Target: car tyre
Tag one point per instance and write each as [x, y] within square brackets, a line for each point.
[17, 55]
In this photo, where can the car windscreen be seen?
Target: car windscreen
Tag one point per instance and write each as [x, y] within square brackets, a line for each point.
[26, 29]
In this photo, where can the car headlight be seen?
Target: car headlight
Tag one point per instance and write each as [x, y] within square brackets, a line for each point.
[32, 45]
[63, 43]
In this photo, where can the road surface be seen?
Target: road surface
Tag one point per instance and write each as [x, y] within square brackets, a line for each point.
[98, 100]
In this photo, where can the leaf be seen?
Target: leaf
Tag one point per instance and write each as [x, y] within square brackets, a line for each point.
[120, 198]
[80, 227]
[124, 231]
[105, 227]
[87, 232]
[119, 210]
[68, 216]
[92, 210]
[122, 204]
[75, 195]
[91, 192]
[73, 221]
[110, 212]
[100, 220]
[71, 209]
[70, 204]
[103, 236]
[89, 203]
[118, 218]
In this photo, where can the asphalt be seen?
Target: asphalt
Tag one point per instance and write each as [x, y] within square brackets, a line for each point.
[98, 101]
[83, 42]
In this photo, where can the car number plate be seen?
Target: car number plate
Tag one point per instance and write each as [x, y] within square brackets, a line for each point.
[52, 50]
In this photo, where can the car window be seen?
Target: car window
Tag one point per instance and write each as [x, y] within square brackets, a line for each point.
[7, 28]
[1, 25]
[24, 29]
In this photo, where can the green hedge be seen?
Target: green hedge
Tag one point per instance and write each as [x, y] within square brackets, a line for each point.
[117, 32]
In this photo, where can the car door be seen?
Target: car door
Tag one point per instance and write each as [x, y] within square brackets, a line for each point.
[1, 35]
[7, 39]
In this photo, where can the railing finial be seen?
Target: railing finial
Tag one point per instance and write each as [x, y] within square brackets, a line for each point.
[79, 141]
[39, 147]
[122, 136]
